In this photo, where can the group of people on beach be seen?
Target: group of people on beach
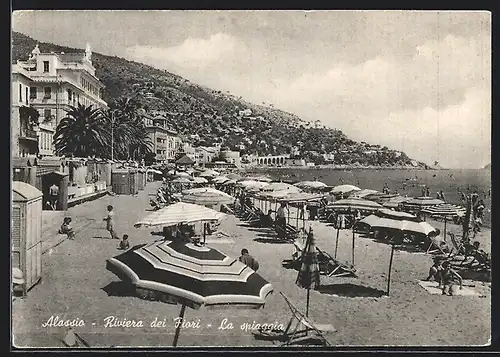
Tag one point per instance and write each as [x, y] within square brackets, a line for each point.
[67, 229]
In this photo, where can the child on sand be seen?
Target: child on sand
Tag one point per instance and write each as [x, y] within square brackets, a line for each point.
[435, 272]
[110, 222]
[66, 228]
[449, 279]
[124, 243]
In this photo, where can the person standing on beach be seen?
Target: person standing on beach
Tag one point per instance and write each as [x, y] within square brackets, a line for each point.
[110, 222]
[281, 218]
[54, 193]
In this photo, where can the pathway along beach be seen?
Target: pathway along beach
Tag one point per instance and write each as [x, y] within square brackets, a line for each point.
[75, 280]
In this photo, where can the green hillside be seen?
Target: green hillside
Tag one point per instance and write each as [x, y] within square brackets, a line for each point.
[216, 116]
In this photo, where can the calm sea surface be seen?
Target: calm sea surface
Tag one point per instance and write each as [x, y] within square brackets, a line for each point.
[449, 181]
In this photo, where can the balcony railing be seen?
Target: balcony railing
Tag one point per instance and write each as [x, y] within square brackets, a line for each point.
[28, 134]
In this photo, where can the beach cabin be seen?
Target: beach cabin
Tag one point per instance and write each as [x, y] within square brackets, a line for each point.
[26, 234]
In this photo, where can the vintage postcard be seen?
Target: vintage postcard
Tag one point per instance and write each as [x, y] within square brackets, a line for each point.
[251, 179]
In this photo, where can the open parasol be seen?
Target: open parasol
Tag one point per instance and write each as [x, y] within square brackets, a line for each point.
[189, 275]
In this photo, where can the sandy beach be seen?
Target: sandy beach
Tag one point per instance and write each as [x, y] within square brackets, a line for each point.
[75, 282]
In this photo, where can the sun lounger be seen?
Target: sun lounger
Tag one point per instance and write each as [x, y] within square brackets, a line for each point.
[436, 247]
[333, 267]
[300, 330]
[327, 264]
[458, 247]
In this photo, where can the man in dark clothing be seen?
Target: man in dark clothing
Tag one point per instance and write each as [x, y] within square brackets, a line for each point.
[248, 260]
[281, 219]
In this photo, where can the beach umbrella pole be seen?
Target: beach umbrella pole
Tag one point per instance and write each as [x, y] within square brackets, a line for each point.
[204, 232]
[444, 228]
[353, 246]
[178, 328]
[307, 302]
[390, 268]
[337, 243]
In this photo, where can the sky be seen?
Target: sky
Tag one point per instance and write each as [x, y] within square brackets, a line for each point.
[419, 82]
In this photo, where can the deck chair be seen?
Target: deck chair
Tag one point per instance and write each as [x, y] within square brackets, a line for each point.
[286, 234]
[327, 264]
[262, 221]
[480, 261]
[435, 247]
[458, 247]
[300, 330]
[333, 267]
[227, 209]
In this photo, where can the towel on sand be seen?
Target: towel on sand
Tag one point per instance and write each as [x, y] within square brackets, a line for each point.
[432, 288]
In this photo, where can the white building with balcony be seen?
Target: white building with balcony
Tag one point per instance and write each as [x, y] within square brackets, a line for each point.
[24, 139]
[59, 81]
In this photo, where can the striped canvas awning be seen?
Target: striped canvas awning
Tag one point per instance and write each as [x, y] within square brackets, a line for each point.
[196, 275]
[445, 209]
[177, 213]
[354, 204]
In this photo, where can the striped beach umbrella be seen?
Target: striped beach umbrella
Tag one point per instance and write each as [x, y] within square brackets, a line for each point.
[354, 204]
[314, 185]
[401, 221]
[177, 213]
[209, 173]
[247, 184]
[207, 197]
[200, 180]
[181, 180]
[182, 174]
[190, 275]
[395, 202]
[281, 186]
[364, 192]
[445, 210]
[308, 276]
[234, 176]
[220, 179]
[344, 189]
[229, 182]
[422, 202]
[349, 206]
[204, 190]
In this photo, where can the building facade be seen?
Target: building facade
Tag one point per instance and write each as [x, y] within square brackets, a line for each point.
[164, 140]
[205, 155]
[232, 157]
[24, 138]
[59, 81]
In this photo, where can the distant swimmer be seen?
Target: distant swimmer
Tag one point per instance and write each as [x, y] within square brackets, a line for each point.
[434, 175]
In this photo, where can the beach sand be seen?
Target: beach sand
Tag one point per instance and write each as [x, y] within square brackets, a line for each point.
[74, 276]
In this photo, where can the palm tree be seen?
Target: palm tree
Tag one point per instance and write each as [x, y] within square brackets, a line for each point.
[126, 130]
[81, 133]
